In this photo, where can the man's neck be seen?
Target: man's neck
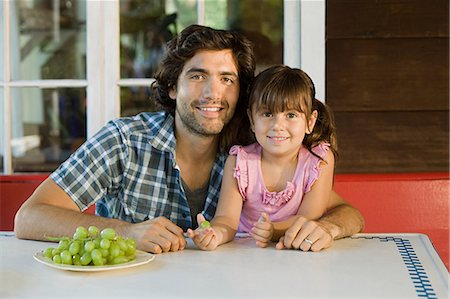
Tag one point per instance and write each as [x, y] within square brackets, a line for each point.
[195, 156]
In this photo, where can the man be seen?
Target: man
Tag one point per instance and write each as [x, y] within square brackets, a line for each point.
[150, 175]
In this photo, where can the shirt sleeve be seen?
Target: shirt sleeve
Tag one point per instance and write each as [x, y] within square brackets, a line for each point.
[314, 167]
[95, 168]
[241, 169]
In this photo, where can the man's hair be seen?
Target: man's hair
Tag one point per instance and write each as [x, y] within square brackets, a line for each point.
[183, 47]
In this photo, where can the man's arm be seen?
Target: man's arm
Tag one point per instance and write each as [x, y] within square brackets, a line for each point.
[51, 212]
[341, 220]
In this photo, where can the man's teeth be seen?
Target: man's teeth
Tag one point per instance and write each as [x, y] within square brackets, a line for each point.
[210, 109]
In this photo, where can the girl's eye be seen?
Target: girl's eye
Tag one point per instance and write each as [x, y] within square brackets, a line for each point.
[266, 114]
[291, 115]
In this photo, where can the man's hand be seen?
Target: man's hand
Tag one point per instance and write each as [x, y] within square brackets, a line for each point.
[157, 235]
[262, 231]
[307, 235]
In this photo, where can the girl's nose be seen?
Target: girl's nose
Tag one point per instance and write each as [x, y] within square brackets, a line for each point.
[278, 122]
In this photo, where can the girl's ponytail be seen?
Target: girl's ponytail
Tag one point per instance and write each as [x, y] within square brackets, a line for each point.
[324, 129]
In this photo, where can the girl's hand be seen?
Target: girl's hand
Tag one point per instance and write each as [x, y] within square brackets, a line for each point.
[204, 238]
[262, 230]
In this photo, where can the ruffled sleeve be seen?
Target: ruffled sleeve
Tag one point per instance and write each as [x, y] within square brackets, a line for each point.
[314, 169]
[241, 169]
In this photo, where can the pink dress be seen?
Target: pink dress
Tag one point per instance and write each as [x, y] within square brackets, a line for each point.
[278, 205]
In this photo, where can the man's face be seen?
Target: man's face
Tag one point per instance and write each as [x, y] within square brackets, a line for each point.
[207, 92]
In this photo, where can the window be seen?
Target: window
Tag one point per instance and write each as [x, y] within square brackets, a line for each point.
[69, 66]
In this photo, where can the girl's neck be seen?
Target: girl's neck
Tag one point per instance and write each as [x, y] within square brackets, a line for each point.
[283, 160]
[277, 170]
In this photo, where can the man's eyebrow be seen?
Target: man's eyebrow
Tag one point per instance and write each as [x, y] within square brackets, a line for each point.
[197, 70]
[205, 71]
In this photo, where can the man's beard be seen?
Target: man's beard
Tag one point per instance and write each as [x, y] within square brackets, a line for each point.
[190, 122]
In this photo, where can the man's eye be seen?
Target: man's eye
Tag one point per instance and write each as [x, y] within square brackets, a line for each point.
[197, 77]
[228, 80]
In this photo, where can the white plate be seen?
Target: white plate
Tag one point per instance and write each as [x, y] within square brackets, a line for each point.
[141, 258]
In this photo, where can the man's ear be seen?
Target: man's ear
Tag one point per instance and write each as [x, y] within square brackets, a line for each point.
[312, 122]
[249, 114]
[173, 92]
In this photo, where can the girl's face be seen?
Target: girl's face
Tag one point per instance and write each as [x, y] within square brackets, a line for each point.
[281, 133]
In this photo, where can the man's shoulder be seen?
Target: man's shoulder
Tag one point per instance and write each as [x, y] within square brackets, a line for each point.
[145, 123]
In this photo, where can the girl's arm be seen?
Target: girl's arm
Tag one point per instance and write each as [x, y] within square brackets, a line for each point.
[314, 203]
[225, 223]
[228, 212]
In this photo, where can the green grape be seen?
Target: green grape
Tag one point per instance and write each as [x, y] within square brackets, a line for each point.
[122, 244]
[57, 259]
[80, 233]
[105, 252]
[85, 259]
[74, 247]
[97, 242]
[132, 242]
[97, 257]
[93, 231]
[96, 254]
[108, 233]
[105, 243]
[114, 250]
[205, 224]
[89, 246]
[119, 260]
[66, 257]
[48, 252]
[76, 260]
[63, 245]
[130, 249]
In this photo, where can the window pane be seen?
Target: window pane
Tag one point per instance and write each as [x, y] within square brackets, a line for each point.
[261, 21]
[48, 41]
[47, 126]
[145, 27]
[135, 100]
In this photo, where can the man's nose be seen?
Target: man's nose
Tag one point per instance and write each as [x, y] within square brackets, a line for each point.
[213, 89]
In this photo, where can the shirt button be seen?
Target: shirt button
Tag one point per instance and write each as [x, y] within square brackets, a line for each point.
[184, 215]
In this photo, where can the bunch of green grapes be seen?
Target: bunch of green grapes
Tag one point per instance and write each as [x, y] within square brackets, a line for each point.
[90, 247]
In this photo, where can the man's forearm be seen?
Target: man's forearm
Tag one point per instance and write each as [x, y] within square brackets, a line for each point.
[41, 220]
[342, 221]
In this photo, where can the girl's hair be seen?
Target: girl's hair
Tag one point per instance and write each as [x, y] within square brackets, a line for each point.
[281, 88]
[183, 47]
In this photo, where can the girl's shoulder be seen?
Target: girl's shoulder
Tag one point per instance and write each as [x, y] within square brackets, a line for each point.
[321, 149]
[244, 151]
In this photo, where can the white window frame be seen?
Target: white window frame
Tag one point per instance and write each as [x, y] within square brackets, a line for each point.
[304, 44]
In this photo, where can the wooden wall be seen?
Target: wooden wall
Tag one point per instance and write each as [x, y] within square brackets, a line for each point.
[387, 79]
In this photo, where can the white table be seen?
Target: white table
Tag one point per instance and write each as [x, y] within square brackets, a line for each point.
[366, 265]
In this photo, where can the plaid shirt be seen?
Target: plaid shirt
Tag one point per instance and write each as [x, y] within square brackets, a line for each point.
[128, 169]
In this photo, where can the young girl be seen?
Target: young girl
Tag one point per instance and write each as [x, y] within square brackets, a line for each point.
[289, 171]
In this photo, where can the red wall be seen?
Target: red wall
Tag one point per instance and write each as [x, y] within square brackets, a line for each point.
[409, 203]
